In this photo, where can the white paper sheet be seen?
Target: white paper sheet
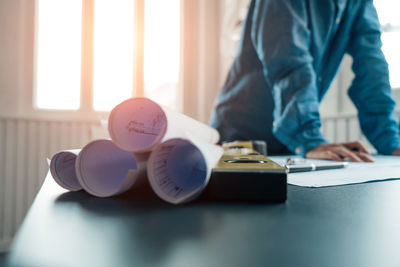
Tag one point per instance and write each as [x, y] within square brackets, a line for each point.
[62, 168]
[179, 169]
[100, 168]
[139, 124]
[384, 167]
[104, 170]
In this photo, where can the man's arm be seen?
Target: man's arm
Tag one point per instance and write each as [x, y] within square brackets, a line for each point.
[282, 40]
[371, 91]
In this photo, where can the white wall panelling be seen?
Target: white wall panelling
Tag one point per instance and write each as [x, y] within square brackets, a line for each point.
[25, 144]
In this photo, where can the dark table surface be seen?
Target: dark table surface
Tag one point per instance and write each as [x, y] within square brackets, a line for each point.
[354, 225]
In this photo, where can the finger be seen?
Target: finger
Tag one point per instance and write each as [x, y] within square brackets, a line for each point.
[326, 154]
[365, 157]
[346, 153]
[357, 145]
[314, 155]
[333, 156]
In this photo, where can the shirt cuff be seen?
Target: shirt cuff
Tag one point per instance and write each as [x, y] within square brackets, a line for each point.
[388, 146]
[302, 142]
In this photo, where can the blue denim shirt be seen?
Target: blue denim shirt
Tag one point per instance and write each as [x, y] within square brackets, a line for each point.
[287, 58]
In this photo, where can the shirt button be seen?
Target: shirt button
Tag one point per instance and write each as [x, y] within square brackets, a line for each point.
[337, 20]
[274, 123]
[297, 150]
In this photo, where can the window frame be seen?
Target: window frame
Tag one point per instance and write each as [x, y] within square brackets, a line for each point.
[199, 76]
[86, 110]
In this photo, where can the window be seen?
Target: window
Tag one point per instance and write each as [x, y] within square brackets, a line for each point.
[58, 65]
[390, 21]
[161, 51]
[113, 52]
[92, 54]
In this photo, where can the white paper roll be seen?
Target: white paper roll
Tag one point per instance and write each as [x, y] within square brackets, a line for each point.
[179, 169]
[139, 124]
[104, 170]
[62, 168]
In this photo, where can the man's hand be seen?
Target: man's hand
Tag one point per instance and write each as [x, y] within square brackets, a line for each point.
[396, 152]
[353, 151]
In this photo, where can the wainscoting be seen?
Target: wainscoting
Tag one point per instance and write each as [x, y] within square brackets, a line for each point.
[342, 129]
[25, 145]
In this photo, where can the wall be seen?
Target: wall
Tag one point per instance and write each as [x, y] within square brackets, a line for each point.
[25, 144]
[12, 54]
[200, 57]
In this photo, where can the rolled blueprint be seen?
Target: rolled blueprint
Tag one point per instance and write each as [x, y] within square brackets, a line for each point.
[139, 124]
[104, 170]
[62, 168]
[179, 169]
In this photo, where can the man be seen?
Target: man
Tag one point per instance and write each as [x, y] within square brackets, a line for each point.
[288, 55]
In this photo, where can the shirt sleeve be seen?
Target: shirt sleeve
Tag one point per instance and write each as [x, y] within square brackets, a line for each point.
[371, 90]
[281, 39]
